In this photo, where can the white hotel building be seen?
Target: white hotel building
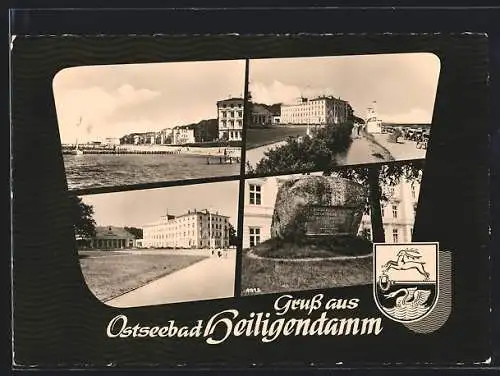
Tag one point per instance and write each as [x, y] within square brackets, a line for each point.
[182, 136]
[318, 111]
[398, 214]
[194, 229]
[230, 118]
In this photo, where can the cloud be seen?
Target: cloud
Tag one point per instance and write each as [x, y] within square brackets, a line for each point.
[278, 92]
[94, 105]
[415, 115]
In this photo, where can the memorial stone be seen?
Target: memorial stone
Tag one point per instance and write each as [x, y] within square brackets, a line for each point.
[318, 206]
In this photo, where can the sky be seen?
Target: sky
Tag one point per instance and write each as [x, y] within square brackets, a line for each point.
[137, 208]
[113, 100]
[403, 85]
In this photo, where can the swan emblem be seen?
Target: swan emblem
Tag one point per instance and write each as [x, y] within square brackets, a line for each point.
[412, 297]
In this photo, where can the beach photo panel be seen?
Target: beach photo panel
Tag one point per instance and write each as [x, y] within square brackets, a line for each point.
[136, 124]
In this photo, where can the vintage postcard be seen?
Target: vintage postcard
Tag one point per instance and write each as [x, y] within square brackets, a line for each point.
[234, 201]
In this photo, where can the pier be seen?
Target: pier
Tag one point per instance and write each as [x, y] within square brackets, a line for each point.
[214, 155]
[125, 151]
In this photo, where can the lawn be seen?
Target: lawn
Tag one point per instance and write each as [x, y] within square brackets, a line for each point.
[265, 136]
[109, 275]
[270, 276]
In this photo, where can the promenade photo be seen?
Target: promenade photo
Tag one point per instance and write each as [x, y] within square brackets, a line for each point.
[159, 246]
[314, 113]
[142, 123]
[316, 231]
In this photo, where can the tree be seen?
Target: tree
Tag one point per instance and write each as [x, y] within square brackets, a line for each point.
[82, 218]
[307, 153]
[375, 178]
[358, 119]
[137, 232]
[233, 238]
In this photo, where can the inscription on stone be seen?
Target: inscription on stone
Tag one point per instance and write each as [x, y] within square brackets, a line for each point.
[329, 220]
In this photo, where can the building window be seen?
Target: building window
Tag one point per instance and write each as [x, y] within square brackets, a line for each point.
[240, 113]
[254, 236]
[366, 233]
[395, 235]
[255, 194]
[224, 114]
[394, 211]
[413, 191]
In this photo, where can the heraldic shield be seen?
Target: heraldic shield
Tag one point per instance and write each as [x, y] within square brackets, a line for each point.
[406, 279]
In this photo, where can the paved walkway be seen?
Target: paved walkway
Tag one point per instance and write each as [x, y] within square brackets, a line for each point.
[403, 150]
[363, 150]
[212, 278]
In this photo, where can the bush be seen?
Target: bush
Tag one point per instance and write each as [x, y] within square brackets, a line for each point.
[308, 153]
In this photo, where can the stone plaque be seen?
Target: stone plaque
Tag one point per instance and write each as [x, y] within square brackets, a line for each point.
[329, 220]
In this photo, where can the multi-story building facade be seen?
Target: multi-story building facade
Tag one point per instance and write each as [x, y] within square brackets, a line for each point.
[159, 138]
[325, 110]
[182, 136]
[398, 213]
[194, 229]
[230, 118]
[260, 196]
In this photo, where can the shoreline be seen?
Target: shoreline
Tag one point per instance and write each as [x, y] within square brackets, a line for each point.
[229, 152]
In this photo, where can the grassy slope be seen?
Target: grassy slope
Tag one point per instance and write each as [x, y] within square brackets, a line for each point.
[265, 136]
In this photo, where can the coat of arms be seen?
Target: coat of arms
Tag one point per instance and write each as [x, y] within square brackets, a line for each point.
[406, 280]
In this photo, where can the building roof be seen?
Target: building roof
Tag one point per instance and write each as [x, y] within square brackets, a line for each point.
[257, 107]
[204, 211]
[229, 100]
[188, 213]
[328, 97]
[112, 232]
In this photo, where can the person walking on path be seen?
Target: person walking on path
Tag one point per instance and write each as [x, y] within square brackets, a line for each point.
[355, 130]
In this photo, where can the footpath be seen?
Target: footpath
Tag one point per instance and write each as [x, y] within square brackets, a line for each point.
[212, 278]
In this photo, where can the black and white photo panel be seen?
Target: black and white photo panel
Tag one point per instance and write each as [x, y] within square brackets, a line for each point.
[313, 113]
[316, 231]
[142, 123]
[159, 246]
